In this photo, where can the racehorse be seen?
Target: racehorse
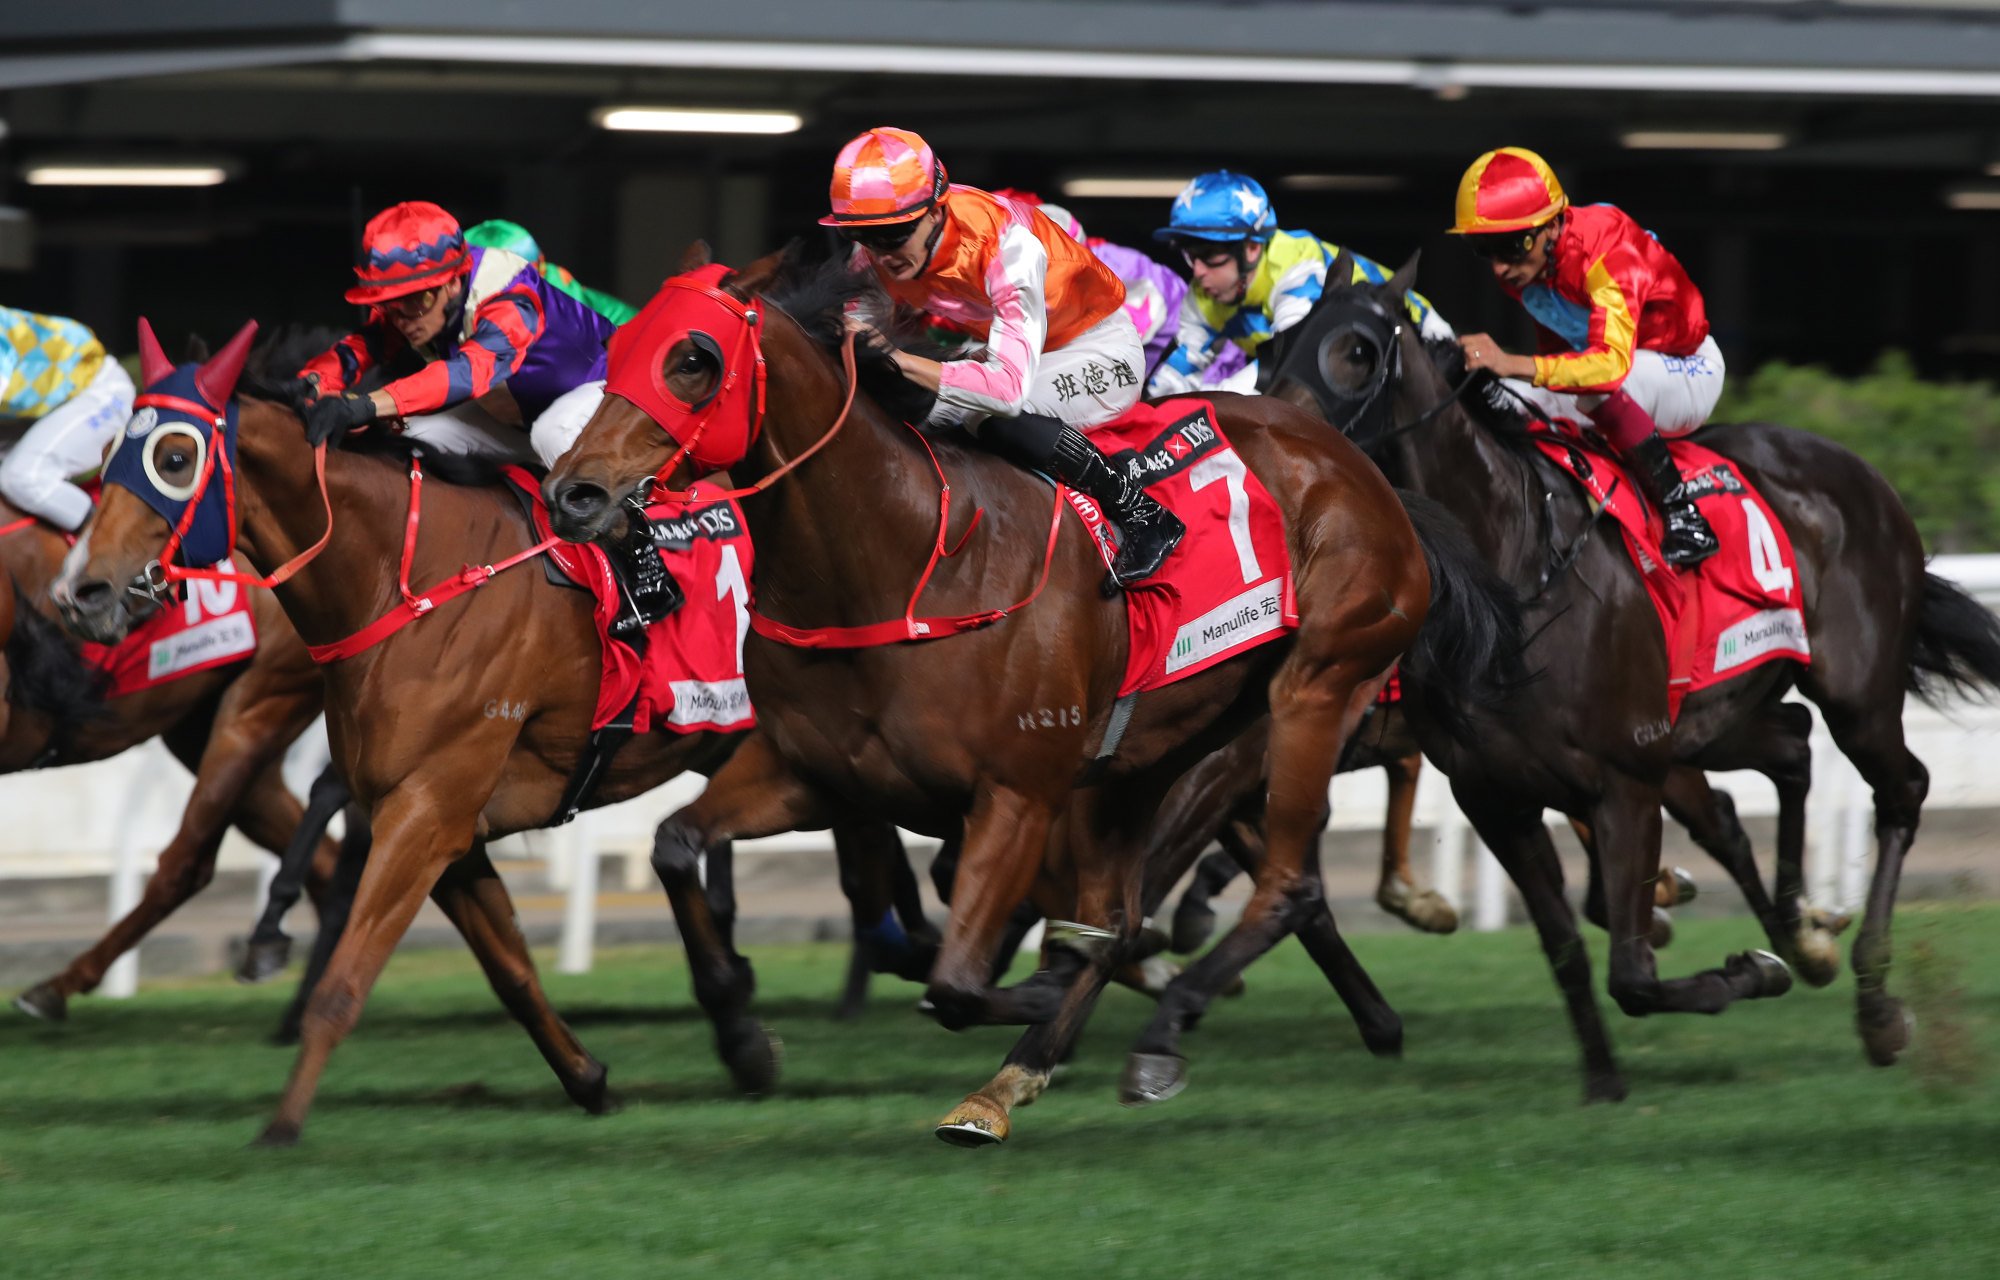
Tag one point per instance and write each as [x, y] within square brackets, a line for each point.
[412, 720]
[992, 730]
[229, 725]
[1596, 743]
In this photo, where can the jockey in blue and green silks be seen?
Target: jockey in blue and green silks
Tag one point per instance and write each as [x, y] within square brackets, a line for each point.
[1251, 280]
[54, 373]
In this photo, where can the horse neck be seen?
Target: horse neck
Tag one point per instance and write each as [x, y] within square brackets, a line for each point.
[280, 514]
[1457, 462]
[857, 513]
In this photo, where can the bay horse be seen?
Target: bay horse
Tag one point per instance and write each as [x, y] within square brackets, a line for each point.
[1597, 744]
[992, 730]
[412, 719]
[229, 725]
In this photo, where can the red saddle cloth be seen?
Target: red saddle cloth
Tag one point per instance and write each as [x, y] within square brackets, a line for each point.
[1228, 587]
[211, 627]
[690, 676]
[1736, 610]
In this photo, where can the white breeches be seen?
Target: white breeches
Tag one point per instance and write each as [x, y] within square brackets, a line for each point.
[1678, 391]
[1086, 383]
[69, 440]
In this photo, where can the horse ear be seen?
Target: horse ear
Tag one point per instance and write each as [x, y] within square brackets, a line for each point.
[1340, 273]
[1405, 278]
[759, 273]
[153, 362]
[216, 380]
[696, 256]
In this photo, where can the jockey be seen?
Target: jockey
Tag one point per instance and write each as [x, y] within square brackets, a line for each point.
[54, 373]
[1060, 353]
[1622, 331]
[1153, 297]
[499, 347]
[498, 233]
[1251, 280]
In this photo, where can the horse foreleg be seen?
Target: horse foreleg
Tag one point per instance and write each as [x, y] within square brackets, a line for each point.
[1396, 890]
[270, 946]
[417, 833]
[754, 794]
[1005, 841]
[472, 894]
[1627, 823]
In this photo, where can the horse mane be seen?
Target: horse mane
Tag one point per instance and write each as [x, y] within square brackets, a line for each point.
[470, 470]
[48, 672]
[1485, 399]
[818, 294]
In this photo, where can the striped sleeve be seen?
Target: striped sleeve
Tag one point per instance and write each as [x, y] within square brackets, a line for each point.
[1194, 350]
[1605, 359]
[1016, 284]
[343, 364]
[506, 325]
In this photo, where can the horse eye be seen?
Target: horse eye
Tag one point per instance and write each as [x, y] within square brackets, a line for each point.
[1357, 353]
[691, 362]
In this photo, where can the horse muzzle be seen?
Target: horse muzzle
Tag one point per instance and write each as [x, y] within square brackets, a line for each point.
[93, 609]
[581, 510]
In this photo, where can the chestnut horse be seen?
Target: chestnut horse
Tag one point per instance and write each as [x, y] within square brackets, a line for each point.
[1597, 744]
[992, 730]
[411, 719]
[230, 726]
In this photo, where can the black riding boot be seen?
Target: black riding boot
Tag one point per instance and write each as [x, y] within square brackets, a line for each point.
[1147, 530]
[650, 592]
[1688, 540]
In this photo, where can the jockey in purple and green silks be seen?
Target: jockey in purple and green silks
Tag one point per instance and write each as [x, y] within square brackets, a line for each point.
[498, 233]
[502, 348]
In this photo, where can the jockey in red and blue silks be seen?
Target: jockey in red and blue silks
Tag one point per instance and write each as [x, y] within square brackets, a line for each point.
[500, 347]
[1623, 333]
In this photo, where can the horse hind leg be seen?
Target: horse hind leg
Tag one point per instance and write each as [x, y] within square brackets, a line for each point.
[270, 947]
[1397, 891]
[335, 906]
[471, 893]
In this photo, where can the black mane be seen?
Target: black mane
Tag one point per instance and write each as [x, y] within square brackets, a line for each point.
[817, 295]
[1485, 398]
[467, 469]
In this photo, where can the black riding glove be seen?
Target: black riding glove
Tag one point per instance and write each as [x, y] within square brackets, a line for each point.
[330, 417]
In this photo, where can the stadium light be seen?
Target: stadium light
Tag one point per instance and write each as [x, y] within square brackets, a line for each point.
[1123, 188]
[1703, 139]
[695, 120]
[1973, 199]
[117, 174]
[1341, 182]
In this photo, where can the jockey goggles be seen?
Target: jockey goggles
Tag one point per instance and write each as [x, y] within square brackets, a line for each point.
[1504, 246]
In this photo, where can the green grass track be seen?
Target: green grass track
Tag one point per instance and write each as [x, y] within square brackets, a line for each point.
[1755, 1144]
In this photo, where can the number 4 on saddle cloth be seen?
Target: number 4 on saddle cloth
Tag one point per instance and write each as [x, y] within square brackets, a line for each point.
[1736, 610]
[688, 674]
[1228, 587]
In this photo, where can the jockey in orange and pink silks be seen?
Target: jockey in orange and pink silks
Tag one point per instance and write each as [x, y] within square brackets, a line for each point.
[1059, 354]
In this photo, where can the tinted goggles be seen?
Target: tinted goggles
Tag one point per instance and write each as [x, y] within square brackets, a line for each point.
[881, 238]
[1504, 246]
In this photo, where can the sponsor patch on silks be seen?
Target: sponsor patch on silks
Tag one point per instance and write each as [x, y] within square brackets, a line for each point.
[689, 676]
[1228, 587]
[210, 627]
[1736, 610]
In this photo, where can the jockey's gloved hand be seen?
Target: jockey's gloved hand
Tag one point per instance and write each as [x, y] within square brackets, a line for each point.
[330, 417]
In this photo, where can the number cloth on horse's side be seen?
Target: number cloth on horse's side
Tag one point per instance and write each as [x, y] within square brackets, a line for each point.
[690, 675]
[1228, 587]
[210, 626]
[1736, 610]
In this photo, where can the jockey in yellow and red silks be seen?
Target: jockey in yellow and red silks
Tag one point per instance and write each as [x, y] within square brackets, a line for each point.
[1624, 338]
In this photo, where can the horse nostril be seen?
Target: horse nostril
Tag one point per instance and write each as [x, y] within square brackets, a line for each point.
[581, 500]
[92, 594]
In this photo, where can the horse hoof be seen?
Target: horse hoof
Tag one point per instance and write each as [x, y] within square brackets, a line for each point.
[1193, 924]
[1885, 1030]
[278, 1133]
[1816, 957]
[593, 1092]
[1834, 922]
[1770, 975]
[1661, 935]
[976, 1122]
[1685, 888]
[1422, 909]
[1235, 988]
[263, 961]
[753, 1054]
[1609, 1088]
[1151, 1078]
[43, 1001]
[1386, 1043]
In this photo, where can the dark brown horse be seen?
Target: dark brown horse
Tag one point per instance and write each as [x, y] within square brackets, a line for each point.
[1595, 744]
[992, 731]
[452, 732]
[230, 726]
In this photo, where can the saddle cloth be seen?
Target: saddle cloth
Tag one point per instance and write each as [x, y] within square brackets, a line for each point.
[211, 627]
[688, 676]
[1228, 587]
[1736, 610]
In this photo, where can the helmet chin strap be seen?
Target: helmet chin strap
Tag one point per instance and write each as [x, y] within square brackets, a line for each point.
[931, 241]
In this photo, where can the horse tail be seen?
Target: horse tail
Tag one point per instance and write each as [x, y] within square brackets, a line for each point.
[1957, 646]
[1470, 653]
[49, 674]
